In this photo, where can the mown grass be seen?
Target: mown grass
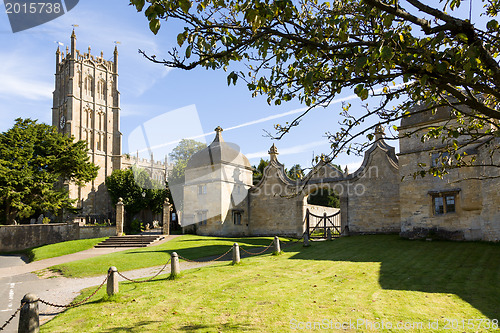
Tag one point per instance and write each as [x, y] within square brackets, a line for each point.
[364, 279]
[189, 246]
[59, 249]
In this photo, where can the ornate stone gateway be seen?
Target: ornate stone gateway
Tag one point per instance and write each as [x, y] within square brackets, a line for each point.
[323, 226]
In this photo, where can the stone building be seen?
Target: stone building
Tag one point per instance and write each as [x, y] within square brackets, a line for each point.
[86, 105]
[373, 199]
[465, 203]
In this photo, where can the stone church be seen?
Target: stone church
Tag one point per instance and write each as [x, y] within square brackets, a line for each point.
[382, 196]
[86, 105]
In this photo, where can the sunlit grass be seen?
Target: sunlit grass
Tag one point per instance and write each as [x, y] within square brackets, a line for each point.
[365, 279]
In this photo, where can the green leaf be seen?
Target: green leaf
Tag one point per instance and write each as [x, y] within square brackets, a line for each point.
[154, 25]
[188, 51]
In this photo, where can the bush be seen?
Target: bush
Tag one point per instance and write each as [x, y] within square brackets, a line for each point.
[136, 226]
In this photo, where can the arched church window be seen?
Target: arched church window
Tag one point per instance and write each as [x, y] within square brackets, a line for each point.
[88, 86]
[101, 89]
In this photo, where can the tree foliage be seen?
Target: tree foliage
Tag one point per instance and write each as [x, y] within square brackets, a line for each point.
[324, 197]
[399, 52]
[180, 156]
[34, 158]
[295, 172]
[137, 189]
[258, 171]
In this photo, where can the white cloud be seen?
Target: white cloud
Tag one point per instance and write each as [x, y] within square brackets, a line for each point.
[290, 150]
[21, 77]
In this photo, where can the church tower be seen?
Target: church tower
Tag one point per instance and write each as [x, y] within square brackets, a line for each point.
[87, 107]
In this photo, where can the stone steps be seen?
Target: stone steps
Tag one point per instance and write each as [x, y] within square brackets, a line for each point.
[129, 241]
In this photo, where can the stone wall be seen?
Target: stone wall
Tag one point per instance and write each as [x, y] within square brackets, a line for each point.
[476, 214]
[25, 236]
[20, 237]
[96, 232]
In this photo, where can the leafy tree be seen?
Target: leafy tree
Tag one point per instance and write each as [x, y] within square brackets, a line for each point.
[258, 171]
[295, 172]
[180, 156]
[324, 197]
[399, 52]
[34, 158]
[137, 189]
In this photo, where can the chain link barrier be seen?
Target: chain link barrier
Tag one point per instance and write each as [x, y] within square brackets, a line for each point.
[290, 243]
[142, 281]
[257, 253]
[206, 261]
[72, 305]
[12, 317]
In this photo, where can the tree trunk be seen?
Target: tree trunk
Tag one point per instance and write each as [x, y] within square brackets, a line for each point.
[10, 213]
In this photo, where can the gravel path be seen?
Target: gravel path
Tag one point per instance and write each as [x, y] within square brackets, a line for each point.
[64, 290]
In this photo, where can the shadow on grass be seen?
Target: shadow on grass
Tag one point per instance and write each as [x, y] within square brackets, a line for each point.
[223, 327]
[139, 327]
[470, 270]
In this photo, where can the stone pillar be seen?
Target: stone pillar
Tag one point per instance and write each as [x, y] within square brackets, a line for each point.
[112, 284]
[236, 253]
[120, 217]
[174, 265]
[28, 317]
[167, 208]
[329, 234]
[344, 214]
[277, 248]
[306, 240]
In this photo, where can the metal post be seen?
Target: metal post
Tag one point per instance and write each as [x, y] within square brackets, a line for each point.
[236, 253]
[29, 321]
[112, 284]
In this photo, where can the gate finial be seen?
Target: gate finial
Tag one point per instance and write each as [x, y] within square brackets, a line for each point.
[273, 152]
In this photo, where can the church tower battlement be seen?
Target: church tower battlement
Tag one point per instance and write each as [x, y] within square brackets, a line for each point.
[86, 105]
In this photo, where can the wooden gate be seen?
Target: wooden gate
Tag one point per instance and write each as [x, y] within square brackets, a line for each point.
[317, 225]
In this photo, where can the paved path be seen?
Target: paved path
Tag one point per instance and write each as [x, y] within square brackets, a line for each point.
[16, 280]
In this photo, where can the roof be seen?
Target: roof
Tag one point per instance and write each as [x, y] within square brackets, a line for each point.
[219, 152]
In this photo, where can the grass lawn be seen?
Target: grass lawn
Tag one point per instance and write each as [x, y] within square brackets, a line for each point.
[363, 280]
[189, 246]
[60, 249]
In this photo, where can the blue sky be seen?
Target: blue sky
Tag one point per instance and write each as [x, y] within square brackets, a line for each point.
[159, 103]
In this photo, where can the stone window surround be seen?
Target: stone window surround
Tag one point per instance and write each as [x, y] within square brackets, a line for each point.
[237, 216]
[443, 194]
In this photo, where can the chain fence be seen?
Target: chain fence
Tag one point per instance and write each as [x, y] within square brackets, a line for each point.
[142, 281]
[72, 305]
[12, 317]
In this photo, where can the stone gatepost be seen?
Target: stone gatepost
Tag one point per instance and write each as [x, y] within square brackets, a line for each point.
[29, 316]
[236, 253]
[112, 284]
[277, 248]
[167, 208]
[120, 217]
[306, 240]
[174, 265]
[329, 234]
